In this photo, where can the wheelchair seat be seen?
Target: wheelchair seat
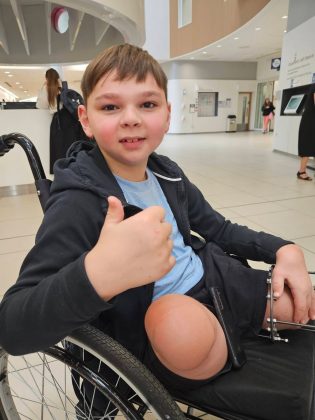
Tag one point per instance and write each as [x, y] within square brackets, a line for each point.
[276, 382]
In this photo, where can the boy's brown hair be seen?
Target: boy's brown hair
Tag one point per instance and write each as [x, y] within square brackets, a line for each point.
[127, 61]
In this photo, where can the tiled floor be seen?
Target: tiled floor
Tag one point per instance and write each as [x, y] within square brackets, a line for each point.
[238, 173]
[250, 184]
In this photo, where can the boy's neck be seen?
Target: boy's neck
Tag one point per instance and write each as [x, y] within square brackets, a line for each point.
[133, 174]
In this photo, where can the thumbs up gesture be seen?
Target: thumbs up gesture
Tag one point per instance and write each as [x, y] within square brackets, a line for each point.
[131, 252]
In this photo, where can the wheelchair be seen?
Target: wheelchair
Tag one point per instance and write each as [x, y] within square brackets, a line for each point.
[276, 382]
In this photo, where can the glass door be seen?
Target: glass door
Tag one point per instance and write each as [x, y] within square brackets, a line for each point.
[264, 90]
[243, 111]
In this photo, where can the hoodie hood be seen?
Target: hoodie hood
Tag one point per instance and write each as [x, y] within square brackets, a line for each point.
[85, 168]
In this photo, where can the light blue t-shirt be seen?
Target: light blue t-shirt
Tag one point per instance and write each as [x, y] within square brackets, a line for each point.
[188, 269]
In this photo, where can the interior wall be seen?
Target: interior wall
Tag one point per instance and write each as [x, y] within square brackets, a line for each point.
[299, 12]
[297, 69]
[183, 96]
[157, 17]
[264, 70]
[211, 20]
[187, 78]
[232, 70]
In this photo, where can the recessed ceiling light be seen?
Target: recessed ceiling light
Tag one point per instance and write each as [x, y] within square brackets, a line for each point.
[10, 75]
[192, 58]
[284, 17]
[7, 72]
[258, 28]
[236, 37]
[219, 46]
[285, 31]
[17, 83]
[204, 52]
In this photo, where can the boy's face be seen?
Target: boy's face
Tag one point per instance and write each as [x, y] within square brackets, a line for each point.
[128, 120]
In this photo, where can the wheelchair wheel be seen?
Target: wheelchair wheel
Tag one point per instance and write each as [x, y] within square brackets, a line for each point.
[67, 381]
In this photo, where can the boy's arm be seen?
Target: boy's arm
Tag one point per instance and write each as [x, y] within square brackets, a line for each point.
[235, 239]
[53, 295]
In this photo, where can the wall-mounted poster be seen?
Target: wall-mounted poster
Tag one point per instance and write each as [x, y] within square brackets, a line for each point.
[276, 63]
[207, 104]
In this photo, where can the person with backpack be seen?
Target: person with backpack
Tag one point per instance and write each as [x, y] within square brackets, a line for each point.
[65, 127]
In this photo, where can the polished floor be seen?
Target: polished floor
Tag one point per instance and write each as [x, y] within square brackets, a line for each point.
[238, 173]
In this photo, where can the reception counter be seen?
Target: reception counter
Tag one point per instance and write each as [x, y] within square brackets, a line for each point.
[35, 124]
[286, 134]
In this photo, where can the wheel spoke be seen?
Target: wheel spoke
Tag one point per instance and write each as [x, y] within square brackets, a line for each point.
[90, 377]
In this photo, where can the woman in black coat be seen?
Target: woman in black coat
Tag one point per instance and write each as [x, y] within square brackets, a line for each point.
[306, 145]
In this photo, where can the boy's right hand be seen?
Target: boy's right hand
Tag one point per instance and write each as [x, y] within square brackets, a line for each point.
[131, 252]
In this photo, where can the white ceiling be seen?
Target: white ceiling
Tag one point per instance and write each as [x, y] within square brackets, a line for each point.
[250, 45]
[27, 37]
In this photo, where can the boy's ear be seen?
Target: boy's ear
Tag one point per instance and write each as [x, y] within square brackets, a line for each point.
[168, 117]
[82, 113]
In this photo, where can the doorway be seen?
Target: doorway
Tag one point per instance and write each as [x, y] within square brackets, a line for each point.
[264, 90]
[243, 111]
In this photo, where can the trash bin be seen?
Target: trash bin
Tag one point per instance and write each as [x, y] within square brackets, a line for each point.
[231, 124]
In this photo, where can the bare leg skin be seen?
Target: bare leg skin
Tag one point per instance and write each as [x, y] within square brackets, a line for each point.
[186, 337]
[303, 163]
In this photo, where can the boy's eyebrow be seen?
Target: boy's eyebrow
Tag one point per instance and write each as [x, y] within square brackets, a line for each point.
[145, 94]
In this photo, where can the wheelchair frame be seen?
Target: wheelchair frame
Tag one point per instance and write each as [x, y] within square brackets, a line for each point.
[132, 391]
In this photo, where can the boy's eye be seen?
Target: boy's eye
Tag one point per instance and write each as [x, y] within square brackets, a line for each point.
[109, 107]
[148, 105]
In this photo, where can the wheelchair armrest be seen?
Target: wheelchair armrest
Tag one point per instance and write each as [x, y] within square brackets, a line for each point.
[6, 144]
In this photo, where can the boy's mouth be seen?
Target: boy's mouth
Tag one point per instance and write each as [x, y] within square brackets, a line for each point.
[131, 139]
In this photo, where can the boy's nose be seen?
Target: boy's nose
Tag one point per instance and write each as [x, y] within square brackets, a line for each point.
[130, 117]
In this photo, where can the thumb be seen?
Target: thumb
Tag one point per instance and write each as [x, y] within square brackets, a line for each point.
[115, 212]
[277, 284]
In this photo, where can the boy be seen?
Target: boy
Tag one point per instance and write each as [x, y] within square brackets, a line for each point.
[109, 273]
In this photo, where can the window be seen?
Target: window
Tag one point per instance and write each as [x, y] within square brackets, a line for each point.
[184, 12]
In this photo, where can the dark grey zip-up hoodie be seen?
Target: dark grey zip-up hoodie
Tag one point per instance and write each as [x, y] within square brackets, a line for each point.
[53, 295]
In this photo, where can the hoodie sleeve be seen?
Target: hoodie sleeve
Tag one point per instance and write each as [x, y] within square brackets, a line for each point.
[53, 295]
[230, 237]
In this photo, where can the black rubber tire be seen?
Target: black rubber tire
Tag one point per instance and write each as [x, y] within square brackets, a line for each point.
[109, 352]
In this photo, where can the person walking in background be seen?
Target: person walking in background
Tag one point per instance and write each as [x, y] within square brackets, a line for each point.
[47, 96]
[306, 144]
[268, 113]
